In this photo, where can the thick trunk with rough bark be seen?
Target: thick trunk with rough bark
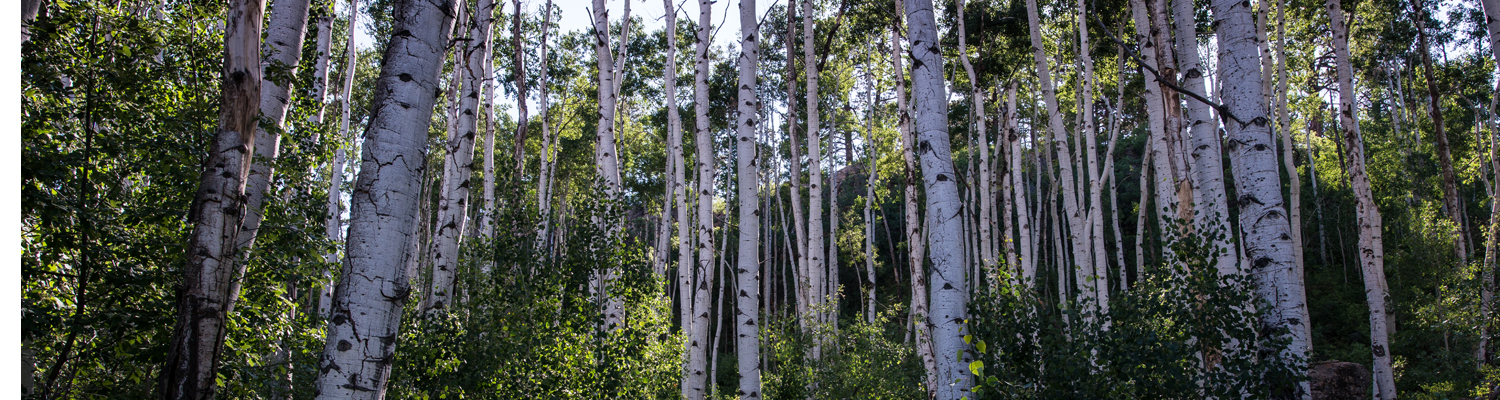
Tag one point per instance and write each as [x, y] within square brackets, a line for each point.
[949, 290]
[218, 209]
[915, 239]
[367, 304]
[1371, 248]
[1262, 214]
[747, 299]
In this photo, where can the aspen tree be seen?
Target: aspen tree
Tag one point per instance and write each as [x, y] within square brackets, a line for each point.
[544, 185]
[218, 209]
[324, 23]
[915, 239]
[803, 288]
[815, 275]
[458, 164]
[1065, 159]
[987, 251]
[361, 335]
[1262, 213]
[949, 290]
[679, 177]
[1371, 248]
[282, 51]
[333, 226]
[487, 124]
[1208, 172]
[1095, 268]
[1487, 289]
[1024, 227]
[1284, 126]
[747, 299]
[518, 68]
[605, 150]
[696, 387]
[870, 177]
[1452, 204]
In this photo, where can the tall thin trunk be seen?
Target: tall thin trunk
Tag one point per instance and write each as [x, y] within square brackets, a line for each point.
[367, 305]
[1263, 221]
[949, 289]
[1065, 159]
[679, 179]
[518, 68]
[987, 252]
[605, 156]
[1284, 125]
[803, 288]
[916, 241]
[1371, 249]
[1451, 202]
[487, 124]
[696, 387]
[870, 178]
[664, 228]
[217, 212]
[1208, 170]
[1095, 281]
[1141, 205]
[815, 274]
[334, 227]
[544, 186]
[458, 163]
[319, 90]
[747, 301]
[1024, 224]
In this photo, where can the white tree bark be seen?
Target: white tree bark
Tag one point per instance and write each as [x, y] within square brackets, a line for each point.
[949, 288]
[747, 301]
[333, 226]
[803, 288]
[320, 68]
[605, 150]
[518, 68]
[1284, 126]
[1065, 160]
[987, 257]
[218, 209]
[1208, 171]
[1263, 217]
[1156, 124]
[361, 338]
[1095, 273]
[916, 241]
[816, 275]
[282, 50]
[458, 164]
[870, 177]
[544, 184]
[1018, 191]
[1371, 248]
[697, 387]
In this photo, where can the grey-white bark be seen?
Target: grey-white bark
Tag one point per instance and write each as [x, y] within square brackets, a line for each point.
[1208, 172]
[986, 250]
[458, 163]
[1018, 191]
[747, 299]
[218, 208]
[1371, 247]
[815, 274]
[1095, 268]
[1262, 212]
[915, 239]
[605, 151]
[334, 226]
[1065, 159]
[361, 335]
[949, 290]
[696, 387]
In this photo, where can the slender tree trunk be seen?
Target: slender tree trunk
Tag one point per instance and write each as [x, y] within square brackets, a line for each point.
[319, 90]
[1371, 249]
[815, 275]
[870, 178]
[803, 288]
[1065, 159]
[544, 186]
[458, 164]
[1208, 171]
[487, 124]
[1095, 281]
[747, 301]
[334, 227]
[605, 155]
[1284, 125]
[987, 251]
[1451, 202]
[949, 291]
[679, 181]
[518, 68]
[218, 209]
[916, 241]
[1024, 227]
[696, 387]
[1263, 221]
[367, 304]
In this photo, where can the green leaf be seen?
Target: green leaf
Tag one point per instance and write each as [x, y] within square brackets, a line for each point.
[981, 346]
[969, 339]
[977, 367]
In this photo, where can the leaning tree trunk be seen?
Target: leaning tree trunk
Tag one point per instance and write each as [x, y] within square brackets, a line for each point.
[696, 387]
[282, 50]
[458, 164]
[1371, 249]
[949, 285]
[1451, 202]
[333, 226]
[916, 242]
[218, 208]
[747, 301]
[373, 288]
[1263, 218]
